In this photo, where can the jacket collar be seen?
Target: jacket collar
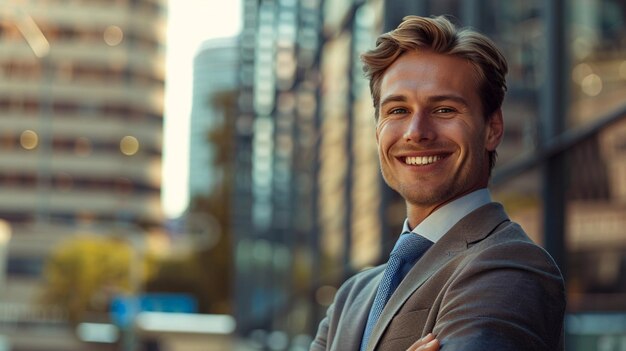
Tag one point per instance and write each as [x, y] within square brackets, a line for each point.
[472, 228]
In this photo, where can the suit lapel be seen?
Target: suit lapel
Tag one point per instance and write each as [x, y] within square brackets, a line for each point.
[472, 228]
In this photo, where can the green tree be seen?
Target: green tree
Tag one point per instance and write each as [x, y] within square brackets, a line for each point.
[84, 272]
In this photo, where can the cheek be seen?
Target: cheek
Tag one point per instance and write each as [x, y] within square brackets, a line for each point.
[457, 131]
[468, 130]
[383, 136]
[476, 146]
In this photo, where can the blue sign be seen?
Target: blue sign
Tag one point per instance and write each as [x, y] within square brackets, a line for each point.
[168, 302]
[124, 308]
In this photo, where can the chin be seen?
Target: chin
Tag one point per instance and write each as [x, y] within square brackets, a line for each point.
[432, 198]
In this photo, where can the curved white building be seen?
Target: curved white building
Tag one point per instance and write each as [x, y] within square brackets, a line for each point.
[81, 111]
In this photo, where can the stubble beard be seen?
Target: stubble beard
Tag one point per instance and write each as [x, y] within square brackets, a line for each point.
[416, 195]
[413, 193]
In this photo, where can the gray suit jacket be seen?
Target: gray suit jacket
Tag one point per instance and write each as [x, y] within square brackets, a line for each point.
[484, 286]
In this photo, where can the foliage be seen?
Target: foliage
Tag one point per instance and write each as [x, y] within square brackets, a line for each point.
[83, 273]
[189, 274]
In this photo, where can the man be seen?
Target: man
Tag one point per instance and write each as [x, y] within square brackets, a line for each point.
[481, 284]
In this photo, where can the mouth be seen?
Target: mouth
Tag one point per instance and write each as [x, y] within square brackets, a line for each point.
[422, 160]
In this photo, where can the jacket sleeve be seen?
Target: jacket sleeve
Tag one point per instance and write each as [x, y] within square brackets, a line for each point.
[508, 296]
[321, 338]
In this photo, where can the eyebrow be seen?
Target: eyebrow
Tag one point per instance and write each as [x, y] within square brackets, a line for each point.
[393, 98]
[452, 97]
[431, 99]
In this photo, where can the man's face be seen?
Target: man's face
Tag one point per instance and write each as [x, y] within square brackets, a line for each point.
[433, 140]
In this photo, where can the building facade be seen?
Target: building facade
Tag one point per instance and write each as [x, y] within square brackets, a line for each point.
[215, 71]
[307, 193]
[81, 100]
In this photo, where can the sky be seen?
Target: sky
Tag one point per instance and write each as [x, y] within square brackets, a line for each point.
[190, 22]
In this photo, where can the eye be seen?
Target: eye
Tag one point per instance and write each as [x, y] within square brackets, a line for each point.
[444, 110]
[397, 111]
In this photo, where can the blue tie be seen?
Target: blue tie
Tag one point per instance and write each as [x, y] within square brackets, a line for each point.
[408, 249]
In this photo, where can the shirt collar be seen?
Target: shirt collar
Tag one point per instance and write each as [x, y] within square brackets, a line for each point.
[438, 223]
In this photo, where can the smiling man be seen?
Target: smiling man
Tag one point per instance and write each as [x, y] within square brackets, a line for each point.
[461, 270]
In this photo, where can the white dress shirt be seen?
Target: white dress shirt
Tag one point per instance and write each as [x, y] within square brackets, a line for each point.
[439, 222]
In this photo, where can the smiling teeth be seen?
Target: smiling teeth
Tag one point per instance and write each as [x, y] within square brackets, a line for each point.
[423, 160]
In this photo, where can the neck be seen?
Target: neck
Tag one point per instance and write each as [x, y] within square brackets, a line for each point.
[416, 213]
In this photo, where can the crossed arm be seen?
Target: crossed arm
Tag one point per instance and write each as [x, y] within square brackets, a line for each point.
[427, 343]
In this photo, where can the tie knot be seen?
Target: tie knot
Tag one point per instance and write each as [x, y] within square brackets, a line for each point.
[410, 247]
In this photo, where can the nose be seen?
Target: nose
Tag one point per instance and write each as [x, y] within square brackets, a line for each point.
[419, 128]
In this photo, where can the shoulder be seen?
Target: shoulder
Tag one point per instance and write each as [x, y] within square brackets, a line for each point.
[509, 241]
[360, 281]
[356, 289]
[508, 259]
[507, 285]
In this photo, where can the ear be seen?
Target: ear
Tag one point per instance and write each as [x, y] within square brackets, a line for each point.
[494, 130]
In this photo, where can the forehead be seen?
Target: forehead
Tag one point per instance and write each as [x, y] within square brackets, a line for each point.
[425, 74]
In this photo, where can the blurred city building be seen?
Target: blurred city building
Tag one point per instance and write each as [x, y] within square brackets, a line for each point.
[310, 207]
[81, 99]
[277, 146]
[214, 72]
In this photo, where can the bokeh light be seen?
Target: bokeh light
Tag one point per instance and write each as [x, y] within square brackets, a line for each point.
[29, 139]
[592, 85]
[113, 35]
[129, 145]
